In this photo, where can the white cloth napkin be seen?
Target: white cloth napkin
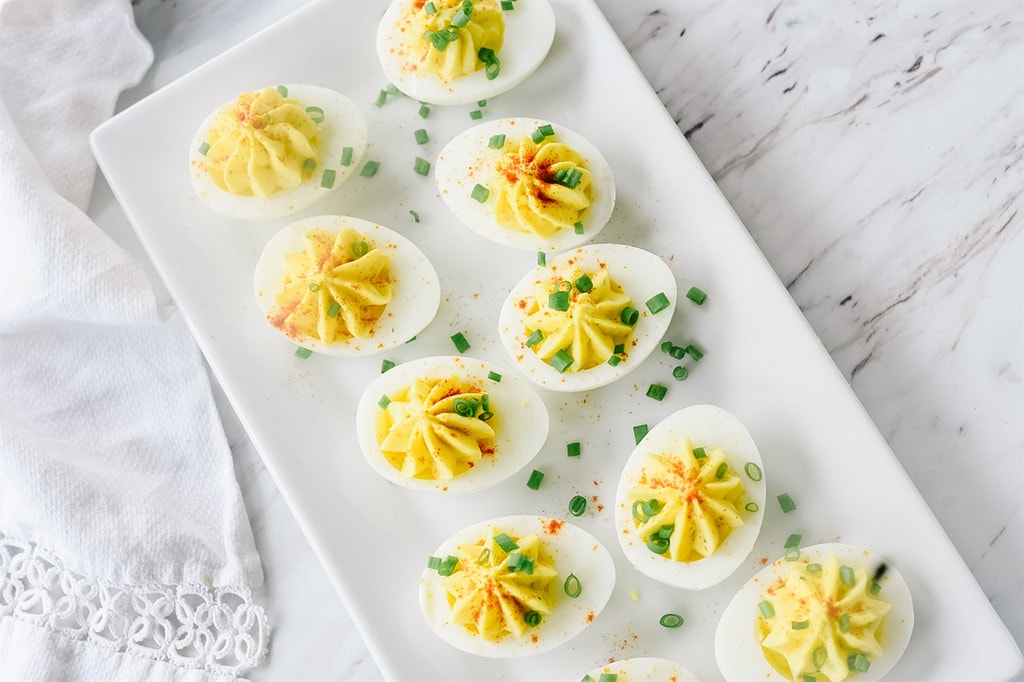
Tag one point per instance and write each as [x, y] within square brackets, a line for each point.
[125, 550]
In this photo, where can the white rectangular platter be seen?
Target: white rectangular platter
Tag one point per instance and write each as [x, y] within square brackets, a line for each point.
[763, 362]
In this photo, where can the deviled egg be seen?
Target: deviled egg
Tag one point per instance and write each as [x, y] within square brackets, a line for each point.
[274, 151]
[644, 669]
[515, 585]
[449, 424]
[344, 286]
[461, 51]
[827, 613]
[690, 502]
[588, 316]
[527, 183]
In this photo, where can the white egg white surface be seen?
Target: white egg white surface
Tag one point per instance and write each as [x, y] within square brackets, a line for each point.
[415, 296]
[645, 669]
[344, 125]
[641, 275]
[572, 549]
[738, 651]
[711, 427]
[467, 161]
[521, 421]
[529, 32]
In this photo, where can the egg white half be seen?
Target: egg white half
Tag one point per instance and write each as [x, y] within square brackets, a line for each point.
[573, 550]
[416, 290]
[711, 427]
[641, 275]
[738, 651]
[644, 669]
[529, 32]
[343, 126]
[521, 422]
[467, 161]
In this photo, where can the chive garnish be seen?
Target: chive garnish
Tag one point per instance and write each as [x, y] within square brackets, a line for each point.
[561, 360]
[751, 507]
[430, 8]
[536, 337]
[819, 657]
[577, 505]
[766, 609]
[333, 309]
[303, 353]
[667, 346]
[639, 431]
[787, 503]
[696, 295]
[309, 165]
[484, 555]
[609, 677]
[327, 180]
[677, 352]
[808, 678]
[547, 130]
[476, 114]
[415, 215]
[614, 360]
[542, 259]
[793, 540]
[316, 114]
[535, 479]
[858, 663]
[461, 344]
[694, 352]
[619, 348]
[346, 156]
[382, 98]
[421, 136]
[657, 544]
[494, 376]
[572, 585]
[506, 543]
[657, 391]
[385, 365]
[583, 283]
[204, 148]
[559, 300]
[507, 5]
[577, 227]
[532, 618]
[847, 576]
[384, 402]
[520, 563]
[481, 103]
[573, 449]
[424, 111]
[844, 623]
[800, 624]
[370, 169]
[448, 566]
[699, 453]
[314, 287]
[496, 141]
[792, 553]
[721, 471]
[629, 315]
[753, 471]
[874, 589]
[658, 303]
[360, 249]
[492, 65]
[282, 90]
[421, 166]
[680, 373]
[434, 563]
[480, 193]
[813, 568]
[671, 620]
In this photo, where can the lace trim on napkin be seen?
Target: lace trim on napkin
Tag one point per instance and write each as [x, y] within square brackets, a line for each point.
[218, 630]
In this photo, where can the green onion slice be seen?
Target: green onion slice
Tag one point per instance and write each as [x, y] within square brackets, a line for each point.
[476, 114]
[506, 543]
[793, 540]
[314, 287]
[461, 344]
[847, 576]
[430, 8]
[813, 568]
[677, 352]
[609, 677]
[875, 588]
[370, 169]
[766, 609]
[629, 315]
[614, 360]
[484, 555]
[346, 156]
[787, 503]
[696, 295]
[800, 624]
[448, 566]
[583, 283]
[639, 431]
[494, 376]
[694, 352]
[699, 453]
[559, 300]
[421, 136]
[577, 227]
[385, 365]
[415, 215]
[496, 141]
[283, 90]
[316, 114]
[421, 166]
[204, 148]
[542, 259]
[577, 505]
[303, 353]
[657, 391]
[657, 544]
[858, 663]
[532, 618]
[572, 449]
[309, 165]
[561, 360]
[327, 180]
[463, 407]
[721, 471]
[792, 553]
[384, 402]
[751, 507]
[753, 471]
[619, 348]
[680, 373]
[382, 98]
[671, 620]
[424, 111]
[360, 249]
[536, 337]
[844, 623]
[480, 193]
[333, 309]
[658, 303]
[572, 585]
[434, 563]
[535, 479]
[819, 657]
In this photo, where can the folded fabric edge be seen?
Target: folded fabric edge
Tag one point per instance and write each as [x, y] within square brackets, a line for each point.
[216, 630]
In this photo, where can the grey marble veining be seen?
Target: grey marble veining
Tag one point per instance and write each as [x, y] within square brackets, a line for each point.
[873, 149]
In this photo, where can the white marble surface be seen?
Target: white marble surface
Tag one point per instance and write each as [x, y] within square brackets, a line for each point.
[875, 151]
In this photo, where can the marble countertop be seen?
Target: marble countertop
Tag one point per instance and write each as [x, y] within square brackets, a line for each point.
[874, 150]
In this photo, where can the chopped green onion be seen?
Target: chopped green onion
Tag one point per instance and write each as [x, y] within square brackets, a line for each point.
[787, 503]
[792, 553]
[424, 111]
[667, 346]
[808, 678]
[564, 285]
[492, 65]
[463, 407]
[382, 98]
[430, 8]
[751, 507]
[282, 90]
[639, 431]
[657, 391]
[813, 568]
[421, 166]
[766, 609]
[327, 181]
[415, 215]
[696, 295]
[547, 130]
[680, 373]
[536, 337]
[658, 303]
[486, 416]
[847, 576]
[677, 352]
[561, 360]
[448, 566]
[614, 360]
[269, 118]
[204, 148]
[532, 618]
[314, 287]
[507, 5]
[506, 543]
[485, 402]
[461, 18]
[657, 544]
[421, 136]
[793, 540]
[537, 136]
[584, 284]
[476, 114]
[520, 563]
[844, 623]
[573, 449]
[629, 315]
[559, 300]
[542, 259]
[346, 156]
[535, 478]
[496, 141]
[699, 453]
[392, 89]
[609, 677]
[434, 563]
[316, 114]
[720, 472]
[694, 352]
[370, 169]
[411, 340]
[481, 103]
[461, 344]
[572, 585]
[333, 309]
[384, 402]
[819, 657]
[753, 471]
[484, 555]
[665, 532]
[385, 365]
[619, 348]
[671, 620]
[577, 227]
[309, 165]
[303, 353]
[800, 624]
[875, 588]
[494, 376]
[480, 193]
[360, 249]
[858, 663]
[577, 505]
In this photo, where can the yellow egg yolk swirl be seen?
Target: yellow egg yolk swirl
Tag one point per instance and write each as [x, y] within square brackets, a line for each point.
[492, 600]
[685, 506]
[528, 197]
[588, 330]
[335, 289]
[263, 144]
[460, 56]
[822, 617]
[436, 429]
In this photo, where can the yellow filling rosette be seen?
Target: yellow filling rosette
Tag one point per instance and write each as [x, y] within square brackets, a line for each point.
[444, 37]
